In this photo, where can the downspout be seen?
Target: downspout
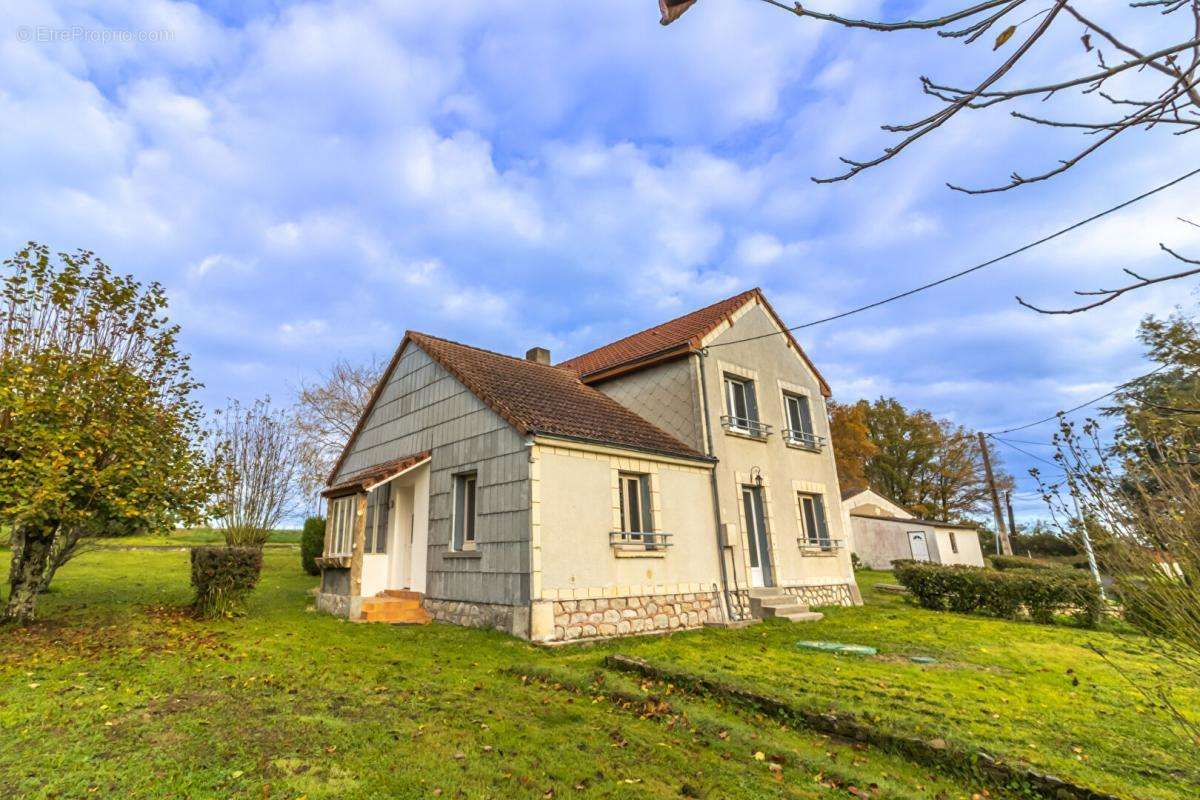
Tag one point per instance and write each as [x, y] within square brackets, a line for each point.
[730, 614]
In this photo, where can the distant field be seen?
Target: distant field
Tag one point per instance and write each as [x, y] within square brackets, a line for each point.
[182, 537]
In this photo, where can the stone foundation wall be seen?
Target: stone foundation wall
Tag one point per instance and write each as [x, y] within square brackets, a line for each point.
[510, 619]
[621, 616]
[336, 604]
[834, 594]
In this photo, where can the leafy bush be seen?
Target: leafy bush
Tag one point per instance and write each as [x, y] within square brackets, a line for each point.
[1040, 592]
[312, 542]
[1043, 543]
[1021, 562]
[223, 577]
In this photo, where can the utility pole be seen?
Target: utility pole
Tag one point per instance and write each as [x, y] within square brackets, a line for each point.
[1001, 531]
[1012, 524]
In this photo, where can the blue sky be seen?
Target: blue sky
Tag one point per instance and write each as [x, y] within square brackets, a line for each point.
[308, 180]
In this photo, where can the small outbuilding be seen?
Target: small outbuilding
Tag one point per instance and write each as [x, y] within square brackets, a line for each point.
[884, 532]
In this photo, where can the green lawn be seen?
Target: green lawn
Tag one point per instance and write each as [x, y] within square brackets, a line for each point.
[118, 694]
[1029, 692]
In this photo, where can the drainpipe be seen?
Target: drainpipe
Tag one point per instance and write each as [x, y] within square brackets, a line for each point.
[730, 614]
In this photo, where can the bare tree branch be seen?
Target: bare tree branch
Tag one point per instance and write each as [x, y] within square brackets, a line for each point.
[1108, 295]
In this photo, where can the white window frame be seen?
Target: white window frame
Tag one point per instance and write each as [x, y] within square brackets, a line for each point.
[464, 521]
[821, 537]
[637, 520]
[342, 511]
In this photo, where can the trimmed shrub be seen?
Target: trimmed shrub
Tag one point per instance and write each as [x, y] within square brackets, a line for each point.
[1021, 562]
[312, 542]
[223, 577]
[1042, 593]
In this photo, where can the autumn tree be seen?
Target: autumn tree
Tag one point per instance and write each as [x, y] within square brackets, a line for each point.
[852, 444]
[326, 412]
[99, 432]
[932, 467]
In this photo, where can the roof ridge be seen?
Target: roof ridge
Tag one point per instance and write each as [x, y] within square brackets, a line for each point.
[650, 328]
[477, 349]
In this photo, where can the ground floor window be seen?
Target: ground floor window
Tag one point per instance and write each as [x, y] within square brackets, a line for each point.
[637, 520]
[341, 525]
[464, 511]
[953, 542]
[812, 515]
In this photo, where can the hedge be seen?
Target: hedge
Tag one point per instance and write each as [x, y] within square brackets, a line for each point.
[1039, 592]
[1021, 562]
[223, 577]
[312, 542]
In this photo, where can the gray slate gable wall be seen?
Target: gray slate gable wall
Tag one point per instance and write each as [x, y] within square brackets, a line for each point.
[666, 394]
[424, 407]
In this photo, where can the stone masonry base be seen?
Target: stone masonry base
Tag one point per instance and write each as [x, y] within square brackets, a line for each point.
[832, 594]
[510, 619]
[620, 616]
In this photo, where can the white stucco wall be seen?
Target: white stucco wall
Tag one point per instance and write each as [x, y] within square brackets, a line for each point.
[576, 507]
[970, 552]
[775, 368]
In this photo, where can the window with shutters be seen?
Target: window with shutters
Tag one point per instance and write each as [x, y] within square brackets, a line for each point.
[637, 516]
[799, 431]
[815, 528]
[741, 407]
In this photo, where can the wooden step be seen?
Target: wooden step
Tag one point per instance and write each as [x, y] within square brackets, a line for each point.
[397, 616]
[403, 594]
[376, 603]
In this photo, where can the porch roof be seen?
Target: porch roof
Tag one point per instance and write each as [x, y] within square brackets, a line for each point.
[366, 479]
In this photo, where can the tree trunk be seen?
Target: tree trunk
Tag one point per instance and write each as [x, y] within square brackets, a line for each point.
[31, 556]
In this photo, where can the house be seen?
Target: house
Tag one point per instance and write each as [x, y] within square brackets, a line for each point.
[677, 477]
[884, 532]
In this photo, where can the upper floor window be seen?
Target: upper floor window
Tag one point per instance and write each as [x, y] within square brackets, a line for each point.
[812, 518]
[464, 511]
[799, 429]
[342, 511]
[741, 405]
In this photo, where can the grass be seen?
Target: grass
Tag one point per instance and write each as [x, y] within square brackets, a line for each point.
[117, 693]
[1029, 692]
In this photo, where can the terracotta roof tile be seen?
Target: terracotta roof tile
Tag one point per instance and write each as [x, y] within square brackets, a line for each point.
[541, 399]
[372, 475]
[681, 331]
[673, 338]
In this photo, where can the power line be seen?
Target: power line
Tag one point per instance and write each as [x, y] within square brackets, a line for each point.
[969, 270]
[995, 438]
[1061, 414]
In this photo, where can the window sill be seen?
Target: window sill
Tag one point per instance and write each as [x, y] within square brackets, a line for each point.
[745, 435]
[808, 448]
[333, 562]
[640, 553]
[463, 554]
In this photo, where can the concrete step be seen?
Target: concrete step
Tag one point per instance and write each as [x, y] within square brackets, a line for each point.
[759, 606]
[801, 616]
[783, 610]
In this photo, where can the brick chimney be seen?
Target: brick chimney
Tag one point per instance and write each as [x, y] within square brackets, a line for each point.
[538, 355]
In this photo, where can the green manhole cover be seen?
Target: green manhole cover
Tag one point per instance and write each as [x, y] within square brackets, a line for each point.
[922, 660]
[839, 647]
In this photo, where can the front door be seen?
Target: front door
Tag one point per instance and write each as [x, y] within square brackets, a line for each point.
[756, 534]
[919, 545]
